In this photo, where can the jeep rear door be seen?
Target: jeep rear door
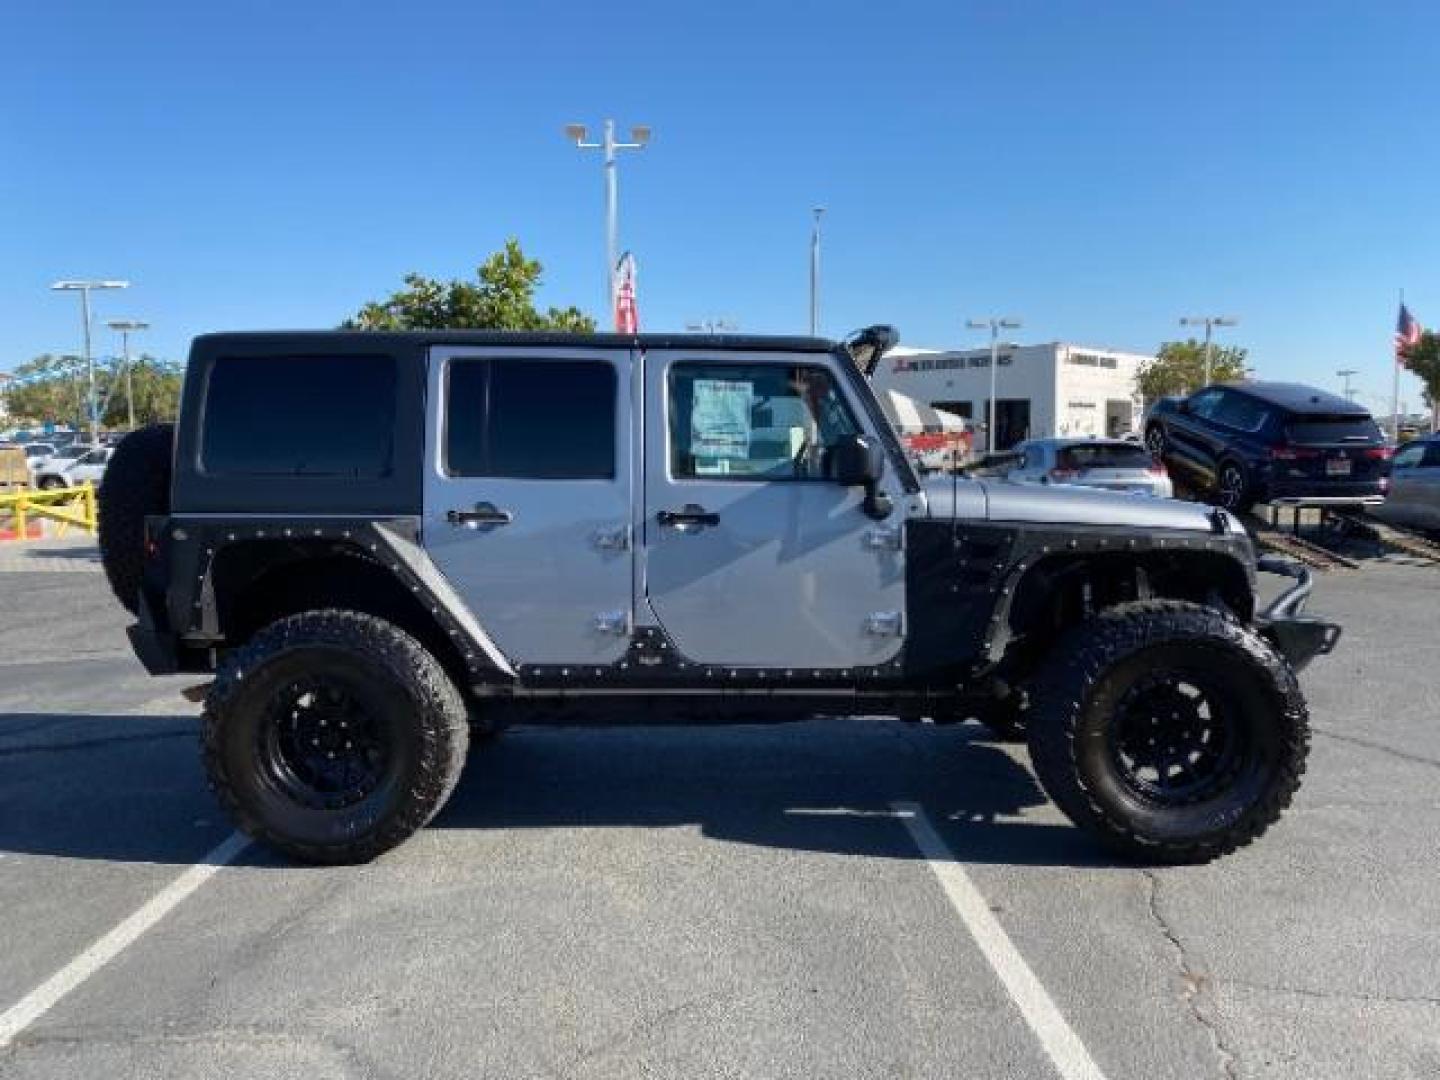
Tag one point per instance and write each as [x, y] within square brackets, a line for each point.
[528, 496]
[750, 556]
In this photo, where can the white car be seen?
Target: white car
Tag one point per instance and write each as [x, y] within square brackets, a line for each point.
[36, 454]
[1113, 464]
[73, 466]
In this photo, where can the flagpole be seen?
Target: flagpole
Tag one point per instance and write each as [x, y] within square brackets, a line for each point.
[1395, 394]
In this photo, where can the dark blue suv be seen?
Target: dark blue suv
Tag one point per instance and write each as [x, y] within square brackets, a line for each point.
[1249, 442]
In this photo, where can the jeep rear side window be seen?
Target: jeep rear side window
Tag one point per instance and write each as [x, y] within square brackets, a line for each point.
[530, 419]
[299, 416]
[753, 421]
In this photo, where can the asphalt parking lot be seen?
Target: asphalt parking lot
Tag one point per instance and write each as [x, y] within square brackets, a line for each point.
[730, 902]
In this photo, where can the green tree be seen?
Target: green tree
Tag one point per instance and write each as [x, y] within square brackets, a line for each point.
[1423, 360]
[156, 385]
[49, 389]
[53, 388]
[1179, 368]
[502, 299]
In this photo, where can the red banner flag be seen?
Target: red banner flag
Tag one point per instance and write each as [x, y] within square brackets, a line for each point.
[627, 314]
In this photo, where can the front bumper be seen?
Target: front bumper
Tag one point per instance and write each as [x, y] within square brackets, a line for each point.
[1298, 637]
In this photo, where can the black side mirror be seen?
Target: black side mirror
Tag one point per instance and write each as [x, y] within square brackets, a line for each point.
[855, 461]
[859, 461]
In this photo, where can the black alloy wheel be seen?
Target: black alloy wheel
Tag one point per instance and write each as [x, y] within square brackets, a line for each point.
[322, 746]
[1175, 738]
[1232, 487]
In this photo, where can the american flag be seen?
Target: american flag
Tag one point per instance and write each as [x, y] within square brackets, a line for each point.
[1407, 333]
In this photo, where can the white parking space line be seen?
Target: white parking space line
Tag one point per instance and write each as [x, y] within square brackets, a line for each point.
[1056, 1036]
[44, 997]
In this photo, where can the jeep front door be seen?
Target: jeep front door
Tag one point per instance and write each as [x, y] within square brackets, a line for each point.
[528, 496]
[751, 556]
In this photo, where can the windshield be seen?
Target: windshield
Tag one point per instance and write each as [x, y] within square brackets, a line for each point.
[1104, 456]
[1333, 429]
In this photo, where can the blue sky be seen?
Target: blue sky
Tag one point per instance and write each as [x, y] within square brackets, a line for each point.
[1098, 169]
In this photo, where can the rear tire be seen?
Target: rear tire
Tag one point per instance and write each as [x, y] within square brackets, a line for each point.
[1169, 731]
[1155, 441]
[333, 736]
[137, 483]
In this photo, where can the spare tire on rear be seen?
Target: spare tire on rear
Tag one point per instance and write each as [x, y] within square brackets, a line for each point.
[137, 483]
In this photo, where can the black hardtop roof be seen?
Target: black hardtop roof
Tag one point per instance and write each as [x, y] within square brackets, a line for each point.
[272, 340]
[1299, 398]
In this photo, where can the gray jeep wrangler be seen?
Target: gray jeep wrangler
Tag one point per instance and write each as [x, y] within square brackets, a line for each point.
[383, 544]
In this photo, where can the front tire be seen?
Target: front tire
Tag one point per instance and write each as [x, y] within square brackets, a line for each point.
[1155, 441]
[333, 736]
[1169, 731]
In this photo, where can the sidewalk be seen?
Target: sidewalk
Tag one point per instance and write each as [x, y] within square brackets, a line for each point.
[71, 554]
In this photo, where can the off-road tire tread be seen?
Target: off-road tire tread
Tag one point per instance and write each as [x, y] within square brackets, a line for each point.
[1079, 661]
[137, 483]
[440, 710]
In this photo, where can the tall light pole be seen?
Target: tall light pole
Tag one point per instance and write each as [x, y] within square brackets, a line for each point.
[639, 137]
[816, 213]
[995, 325]
[1345, 374]
[1209, 322]
[126, 327]
[84, 288]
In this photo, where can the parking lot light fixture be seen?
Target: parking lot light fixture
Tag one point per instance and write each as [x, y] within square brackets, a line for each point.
[84, 288]
[1209, 322]
[1345, 374]
[126, 327]
[815, 215]
[995, 325]
[609, 145]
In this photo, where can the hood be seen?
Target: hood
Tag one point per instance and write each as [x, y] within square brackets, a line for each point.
[1061, 504]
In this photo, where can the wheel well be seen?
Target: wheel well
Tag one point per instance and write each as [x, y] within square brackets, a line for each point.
[256, 582]
[1063, 590]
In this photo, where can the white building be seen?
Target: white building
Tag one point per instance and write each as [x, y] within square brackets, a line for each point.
[1040, 390]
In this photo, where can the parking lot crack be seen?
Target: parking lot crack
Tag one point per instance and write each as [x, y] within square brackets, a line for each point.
[1333, 995]
[641, 1029]
[1191, 981]
[90, 744]
[1355, 740]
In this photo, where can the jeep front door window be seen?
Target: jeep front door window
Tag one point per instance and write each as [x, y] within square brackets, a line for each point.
[751, 421]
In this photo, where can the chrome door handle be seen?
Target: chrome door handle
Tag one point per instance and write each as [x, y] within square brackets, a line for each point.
[689, 517]
[486, 515]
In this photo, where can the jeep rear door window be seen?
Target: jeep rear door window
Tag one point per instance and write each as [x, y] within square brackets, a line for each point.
[753, 421]
[531, 419]
[300, 416]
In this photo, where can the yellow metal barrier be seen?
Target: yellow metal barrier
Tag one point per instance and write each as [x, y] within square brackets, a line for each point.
[69, 506]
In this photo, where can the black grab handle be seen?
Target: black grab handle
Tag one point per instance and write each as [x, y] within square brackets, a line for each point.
[689, 514]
